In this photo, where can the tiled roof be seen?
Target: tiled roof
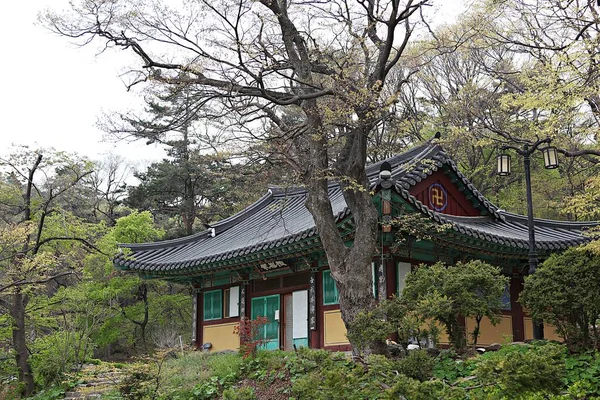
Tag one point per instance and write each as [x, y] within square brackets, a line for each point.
[279, 220]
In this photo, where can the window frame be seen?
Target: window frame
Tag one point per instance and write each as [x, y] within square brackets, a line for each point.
[204, 304]
[327, 276]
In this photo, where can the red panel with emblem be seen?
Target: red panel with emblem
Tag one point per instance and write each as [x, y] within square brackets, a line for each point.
[439, 194]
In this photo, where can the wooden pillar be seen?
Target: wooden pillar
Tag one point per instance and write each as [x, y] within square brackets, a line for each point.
[518, 323]
[197, 317]
[312, 311]
[247, 299]
[391, 277]
[194, 316]
[243, 300]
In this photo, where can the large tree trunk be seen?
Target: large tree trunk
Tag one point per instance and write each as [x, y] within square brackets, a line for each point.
[17, 312]
[350, 266]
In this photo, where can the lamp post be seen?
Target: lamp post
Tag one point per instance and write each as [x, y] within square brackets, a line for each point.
[550, 162]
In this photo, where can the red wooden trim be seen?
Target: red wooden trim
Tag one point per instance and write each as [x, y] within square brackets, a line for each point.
[390, 277]
[331, 307]
[249, 295]
[518, 322]
[222, 287]
[284, 290]
[457, 201]
[221, 321]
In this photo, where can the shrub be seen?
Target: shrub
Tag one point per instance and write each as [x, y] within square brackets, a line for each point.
[565, 291]
[388, 317]
[471, 289]
[368, 328]
[250, 333]
[417, 365]
[518, 371]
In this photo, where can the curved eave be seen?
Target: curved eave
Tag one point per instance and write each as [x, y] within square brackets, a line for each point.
[240, 257]
[514, 240]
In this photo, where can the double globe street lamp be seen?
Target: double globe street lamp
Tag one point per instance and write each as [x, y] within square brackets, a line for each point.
[504, 169]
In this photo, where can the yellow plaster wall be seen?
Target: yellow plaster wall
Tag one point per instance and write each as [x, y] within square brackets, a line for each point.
[335, 330]
[443, 336]
[221, 336]
[489, 333]
[549, 331]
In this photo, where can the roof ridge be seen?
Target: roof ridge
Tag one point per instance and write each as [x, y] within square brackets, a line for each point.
[166, 243]
[555, 222]
[291, 190]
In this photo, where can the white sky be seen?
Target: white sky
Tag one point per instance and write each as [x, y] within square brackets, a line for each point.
[54, 91]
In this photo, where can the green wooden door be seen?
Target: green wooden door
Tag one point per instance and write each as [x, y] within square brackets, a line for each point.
[268, 306]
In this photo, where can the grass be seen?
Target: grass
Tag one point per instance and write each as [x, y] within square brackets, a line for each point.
[185, 372]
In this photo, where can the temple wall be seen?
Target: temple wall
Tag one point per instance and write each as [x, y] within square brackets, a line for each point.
[221, 336]
[549, 331]
[335, 330]
[488, 333]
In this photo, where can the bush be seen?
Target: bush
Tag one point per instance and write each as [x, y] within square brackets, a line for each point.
[517, 371]
[417, 365]
[444, 293]
[250, 332]
[368, 328]
[565, 291]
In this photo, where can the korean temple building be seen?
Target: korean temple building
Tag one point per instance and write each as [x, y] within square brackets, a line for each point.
[267, 260]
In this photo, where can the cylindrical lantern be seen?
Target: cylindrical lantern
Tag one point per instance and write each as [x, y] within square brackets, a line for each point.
[503, 165]
[550, 157]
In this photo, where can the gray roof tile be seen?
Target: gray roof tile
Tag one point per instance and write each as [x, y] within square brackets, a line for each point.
[280, 219]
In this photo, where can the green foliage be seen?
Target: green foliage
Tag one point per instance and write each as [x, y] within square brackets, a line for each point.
[369, 327]
[417, 365]
[137, 227]
[583, 374]
[471, 289]
[449, 367]
[244, 393]
[141, 382]
[395, 315]
[56, 354]
[538, 371]
[565, 291]
[517, 371]
[198, 374]
[53, 393]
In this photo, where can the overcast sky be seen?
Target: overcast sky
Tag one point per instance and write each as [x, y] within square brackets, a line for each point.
[54, 91]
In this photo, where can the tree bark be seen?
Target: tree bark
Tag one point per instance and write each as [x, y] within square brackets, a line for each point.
[17, 312]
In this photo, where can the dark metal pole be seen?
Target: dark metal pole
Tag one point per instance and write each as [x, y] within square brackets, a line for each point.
[533, 260]
[538, 326]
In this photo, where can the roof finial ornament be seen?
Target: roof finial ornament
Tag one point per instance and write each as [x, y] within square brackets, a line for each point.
[385, 174]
